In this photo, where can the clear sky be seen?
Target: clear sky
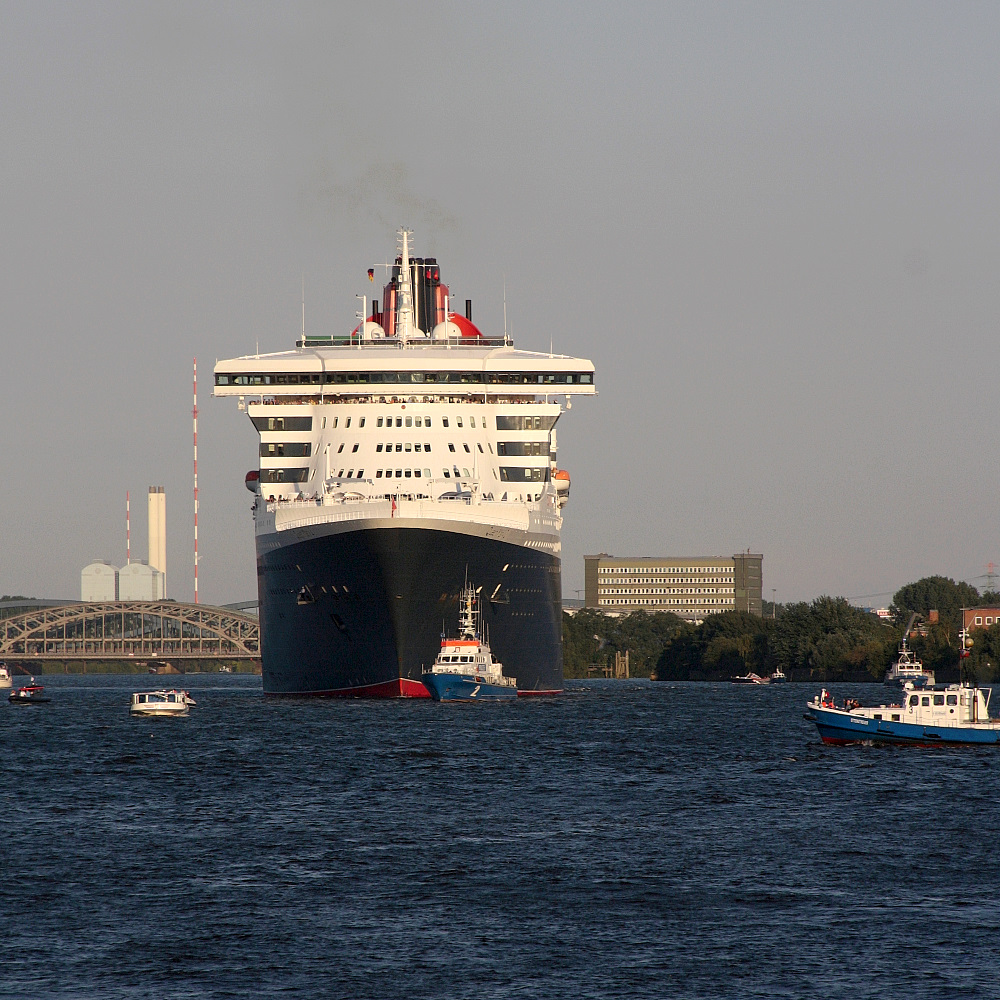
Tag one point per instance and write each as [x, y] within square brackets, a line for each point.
[772, 226]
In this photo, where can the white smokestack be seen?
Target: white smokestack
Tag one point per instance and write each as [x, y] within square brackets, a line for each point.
[158, 534]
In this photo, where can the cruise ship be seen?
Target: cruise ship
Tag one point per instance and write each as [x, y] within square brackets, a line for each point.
[396, 461]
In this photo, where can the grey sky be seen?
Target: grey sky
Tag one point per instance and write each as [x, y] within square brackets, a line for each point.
[773, 227]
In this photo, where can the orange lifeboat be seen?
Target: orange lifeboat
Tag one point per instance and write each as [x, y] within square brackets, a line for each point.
[560, 479]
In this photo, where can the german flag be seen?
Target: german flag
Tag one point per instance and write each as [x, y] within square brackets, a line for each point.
[371, 274]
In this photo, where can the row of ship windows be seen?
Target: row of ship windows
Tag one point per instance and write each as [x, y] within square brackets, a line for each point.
[406, 378]
[515, 422]
[507, 475]
[296, 449]
[670, 590]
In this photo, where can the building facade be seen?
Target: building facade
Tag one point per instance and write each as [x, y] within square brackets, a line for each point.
[691, 588]
[980, 617]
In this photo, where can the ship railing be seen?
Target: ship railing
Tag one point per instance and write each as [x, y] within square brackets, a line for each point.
[295, 514]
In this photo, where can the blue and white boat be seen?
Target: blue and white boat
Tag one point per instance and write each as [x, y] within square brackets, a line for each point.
[465, 669]
[942, 715]
[908, 669]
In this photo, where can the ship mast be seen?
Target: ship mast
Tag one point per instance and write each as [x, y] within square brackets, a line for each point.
[404, 322]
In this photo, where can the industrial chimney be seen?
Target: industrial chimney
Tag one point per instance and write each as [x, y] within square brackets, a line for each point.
[158, 534]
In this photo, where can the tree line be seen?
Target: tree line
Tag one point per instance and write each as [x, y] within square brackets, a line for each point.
[825, 640]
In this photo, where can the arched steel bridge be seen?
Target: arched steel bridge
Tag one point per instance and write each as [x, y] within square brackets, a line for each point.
[129, 630]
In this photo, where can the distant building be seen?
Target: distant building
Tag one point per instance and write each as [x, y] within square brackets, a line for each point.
[980, 617]
[138, 581]
[691, 588]
[99, 582]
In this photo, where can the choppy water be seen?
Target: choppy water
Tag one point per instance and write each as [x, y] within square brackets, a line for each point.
[623, 840]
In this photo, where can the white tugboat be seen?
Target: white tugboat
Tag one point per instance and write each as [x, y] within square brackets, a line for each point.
[465, 669]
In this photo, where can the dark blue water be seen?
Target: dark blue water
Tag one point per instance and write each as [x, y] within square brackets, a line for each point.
[623, 840]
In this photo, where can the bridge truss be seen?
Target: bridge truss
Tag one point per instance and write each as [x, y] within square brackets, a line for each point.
[126, 630]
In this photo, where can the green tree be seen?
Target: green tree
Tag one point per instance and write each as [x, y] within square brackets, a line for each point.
[934, 593]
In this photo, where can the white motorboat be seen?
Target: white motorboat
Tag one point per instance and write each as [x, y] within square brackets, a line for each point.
[161, 703]
[5, 678]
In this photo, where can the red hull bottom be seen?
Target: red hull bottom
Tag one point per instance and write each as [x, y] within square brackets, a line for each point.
[400, 687]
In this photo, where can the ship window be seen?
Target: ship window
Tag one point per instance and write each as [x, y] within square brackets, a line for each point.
[952, 699]
[939, 699]
[925, 702]
[408, 447]
[416, 473]
[354, 449]
[399, 473]
[878, 715]
[914, 700]
[361, 473]
[378, 447]
[340, 475]
[458, 421]
[480, 448]
[418, 421]
[408, 473]
[350, 475]
[427, 422]
[427, 447]
[447, 474]
[466, 659]
[472, 422]
[348, 424]
[378, 423]
[465, 446]
[458, 474]
[465, 472]
[378, 473]
[340, 449]
[399, 446]
[427, 473]
[416, 447]
[361, 422]
[444, 421]
[451, 447]
[399, 421]
[895, 717]
[335, 419]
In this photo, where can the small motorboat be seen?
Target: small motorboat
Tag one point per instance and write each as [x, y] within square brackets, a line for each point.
[5, 678]
[751, 678]
[29, 694]
[908, 670]
[778, 677]
[465, 669]
[161, 703]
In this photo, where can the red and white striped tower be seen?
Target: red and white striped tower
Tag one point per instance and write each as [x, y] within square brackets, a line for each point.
[128, 533]
[194, 413]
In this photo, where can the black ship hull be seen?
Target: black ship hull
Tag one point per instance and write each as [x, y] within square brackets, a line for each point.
[360, 613]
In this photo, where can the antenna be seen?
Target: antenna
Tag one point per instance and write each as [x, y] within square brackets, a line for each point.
[194, 414]
[505, 306]
[303, 312]
[128, 532]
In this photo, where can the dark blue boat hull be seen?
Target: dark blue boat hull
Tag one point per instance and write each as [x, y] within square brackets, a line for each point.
[461, 687]
[837, 728]
[361, 613]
